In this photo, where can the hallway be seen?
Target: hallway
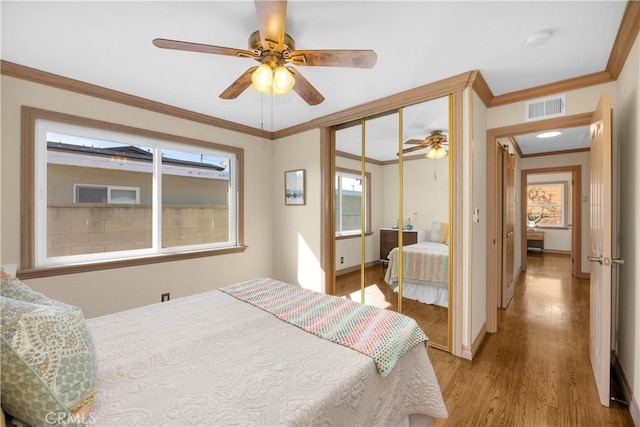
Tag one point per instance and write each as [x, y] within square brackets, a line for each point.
[535, 370]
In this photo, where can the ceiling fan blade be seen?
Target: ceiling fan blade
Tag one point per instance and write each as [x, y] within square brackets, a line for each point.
[239, 86]
[416, 148]
[203, 48]
[334, 58]
[415, 141]
[306, 91]
[272, 16]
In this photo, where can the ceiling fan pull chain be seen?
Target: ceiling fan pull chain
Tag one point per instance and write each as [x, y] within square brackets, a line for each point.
[435, 168]
[261, 110]
[271, 111]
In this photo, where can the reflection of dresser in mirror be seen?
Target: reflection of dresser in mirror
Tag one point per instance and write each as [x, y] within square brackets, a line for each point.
[535, 240]
[389, 240]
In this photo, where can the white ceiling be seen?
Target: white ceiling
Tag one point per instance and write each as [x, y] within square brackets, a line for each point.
[417, 42]
[575, 138]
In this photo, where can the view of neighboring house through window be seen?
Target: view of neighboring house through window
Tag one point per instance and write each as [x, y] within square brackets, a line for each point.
[112, 195]
[90, 193]
[546, 204]
[348, 202]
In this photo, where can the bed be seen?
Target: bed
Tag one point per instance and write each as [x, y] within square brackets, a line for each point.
[256, 354]
[425, 272]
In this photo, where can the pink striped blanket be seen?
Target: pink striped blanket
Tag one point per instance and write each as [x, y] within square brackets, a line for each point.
[383, 335]
[422, 262]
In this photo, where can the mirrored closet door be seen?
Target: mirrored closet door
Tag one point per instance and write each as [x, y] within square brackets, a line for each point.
[392, 214]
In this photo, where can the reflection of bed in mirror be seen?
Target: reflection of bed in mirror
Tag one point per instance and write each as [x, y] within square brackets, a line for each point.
[425, 272]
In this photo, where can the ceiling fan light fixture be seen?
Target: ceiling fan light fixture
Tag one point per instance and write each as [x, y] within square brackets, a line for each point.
[262, 78]
[436, 152]
[283, 80]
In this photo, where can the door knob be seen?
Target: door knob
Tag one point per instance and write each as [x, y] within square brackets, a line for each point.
[597, 259]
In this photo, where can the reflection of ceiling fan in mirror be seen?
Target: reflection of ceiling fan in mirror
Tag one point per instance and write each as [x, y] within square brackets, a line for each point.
[273, 49]
[436, 142]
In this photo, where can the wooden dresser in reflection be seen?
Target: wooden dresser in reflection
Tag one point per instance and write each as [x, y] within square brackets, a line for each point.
[389, 240]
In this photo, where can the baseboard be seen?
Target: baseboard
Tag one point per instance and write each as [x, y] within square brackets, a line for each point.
[635, 411]
[469, 352]
[466, 352]
[626, 390]
[476, 343]
[356, 268]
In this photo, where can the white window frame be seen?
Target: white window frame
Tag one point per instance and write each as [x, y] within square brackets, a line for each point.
[42, 126]
[563, 202]
[366, 193]
[109, 189]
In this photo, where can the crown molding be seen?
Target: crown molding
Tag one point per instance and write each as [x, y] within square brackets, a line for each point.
[480, 86]
[423, 93]
[54, 80]
[627, 33]
[552, 88]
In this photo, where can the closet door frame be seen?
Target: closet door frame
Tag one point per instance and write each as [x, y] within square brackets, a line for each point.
[457, 89]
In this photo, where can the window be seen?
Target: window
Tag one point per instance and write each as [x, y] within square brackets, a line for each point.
[106, 194]
[546, 204]
[348, 202]
[102, 194]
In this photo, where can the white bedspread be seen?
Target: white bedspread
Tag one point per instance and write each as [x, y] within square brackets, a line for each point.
[212, 360]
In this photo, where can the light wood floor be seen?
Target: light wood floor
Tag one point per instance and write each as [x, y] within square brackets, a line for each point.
[535, 370]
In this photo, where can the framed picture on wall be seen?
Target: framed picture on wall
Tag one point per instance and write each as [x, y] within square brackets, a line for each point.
[294, 187]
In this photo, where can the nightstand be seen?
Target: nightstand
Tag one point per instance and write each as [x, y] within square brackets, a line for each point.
[535, 240]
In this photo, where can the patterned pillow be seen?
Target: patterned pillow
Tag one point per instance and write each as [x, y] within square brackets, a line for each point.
[47, 356]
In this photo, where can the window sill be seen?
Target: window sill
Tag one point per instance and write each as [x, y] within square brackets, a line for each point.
[120, 263]
[551, 227]
[352, 235]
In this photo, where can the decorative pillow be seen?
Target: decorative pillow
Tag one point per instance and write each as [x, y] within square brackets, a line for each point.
[47, 356]
[444, 232]
[12, 287]
[439, 232]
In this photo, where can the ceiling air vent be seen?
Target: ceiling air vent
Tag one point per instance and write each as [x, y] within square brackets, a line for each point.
[545, 108]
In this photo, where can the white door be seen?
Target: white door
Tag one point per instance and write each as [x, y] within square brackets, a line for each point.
[600, 252]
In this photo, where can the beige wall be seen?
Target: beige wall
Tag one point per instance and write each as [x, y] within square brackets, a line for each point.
[296, 229]
[477, 282]
[426, 199]
[627, 128]
[113, 290]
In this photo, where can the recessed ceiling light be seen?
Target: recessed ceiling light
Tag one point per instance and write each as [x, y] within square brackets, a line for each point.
[539, 37]
[548, 134]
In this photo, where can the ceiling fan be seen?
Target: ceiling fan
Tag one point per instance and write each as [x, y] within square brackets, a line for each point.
[435, 142]
[273, 49]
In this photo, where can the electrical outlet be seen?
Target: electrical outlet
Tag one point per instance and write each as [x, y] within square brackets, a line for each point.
[341, 260]
[165, 297]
